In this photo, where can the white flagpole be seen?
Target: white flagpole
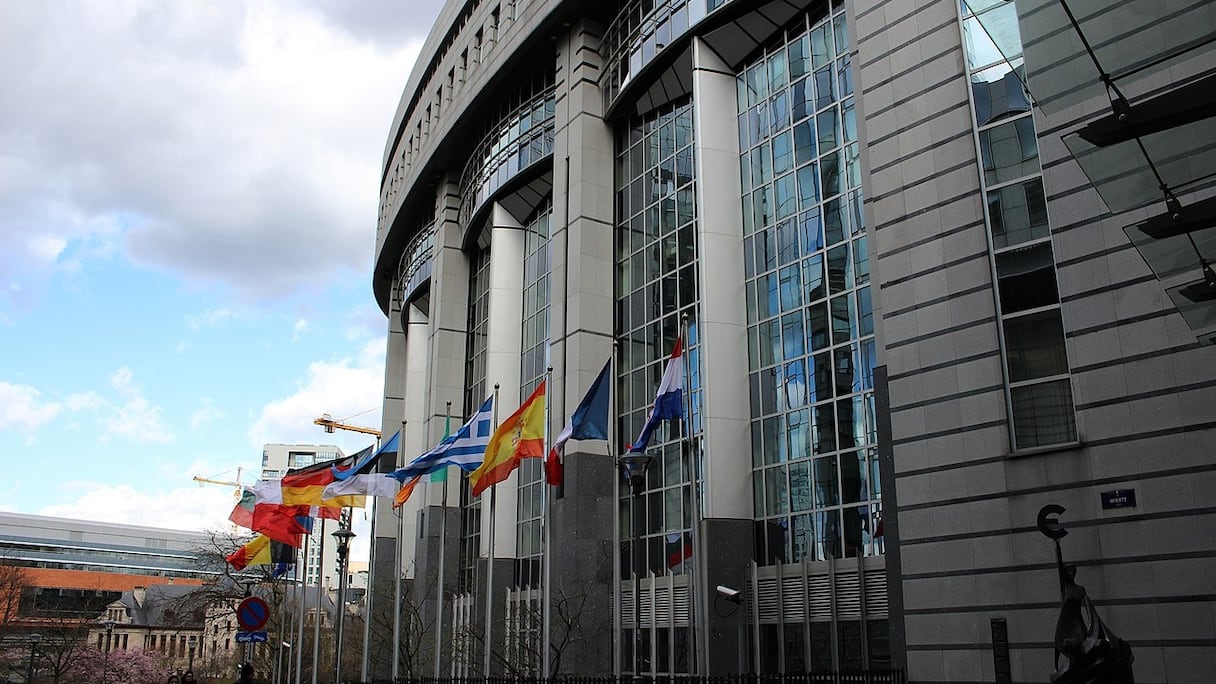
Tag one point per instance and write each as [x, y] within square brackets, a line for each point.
[443, 528]
[367, 620]
[695, 578]
[301, 599]
[316, 627]
[485, 665]
[396, 575]
[546, 643]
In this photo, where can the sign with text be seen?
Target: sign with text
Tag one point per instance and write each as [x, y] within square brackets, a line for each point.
[251, 637]
[1119, 498]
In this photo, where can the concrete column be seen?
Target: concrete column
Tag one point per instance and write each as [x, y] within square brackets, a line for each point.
[416, 442]
[581, 334]
[504, 337]
[726, 482]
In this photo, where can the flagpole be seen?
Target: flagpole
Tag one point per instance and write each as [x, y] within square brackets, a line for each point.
[316, 626]
[546, 618]
[695, 579]
[396, 575]
[302, 600]
[443, 528]
[616, 520]
[485, 672]
[368, 593]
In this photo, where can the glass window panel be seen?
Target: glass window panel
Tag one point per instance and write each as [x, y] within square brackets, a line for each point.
[830, 174]
[812, 231]
[840, 268]
[800, 486]
[783, 153]
[827, 532]
[998, 33]
[852, 166]
[803, 534]
[812, 278]
[768, 397]
[869, 358]
[844, 70]
[1009, 151]
[778, 72]
[799, 57]
[793, 385]
[1034, 346]
[762, 205]
[779, 111]
[849, 122]
[802, 102]
[750, 296]
[861, 261]
[757, 444]
[791, 287]
[770, 343]
[673, 518]
[844, 319]
[822, 46]
[846, 373]
[788, 241]
[805, 147]
[786, 196]
[827, 489]
[1043, 414]
[999, 92]
[757, 85]
[825, 427]
[865, 312]
[853, 473]
[827, 124]
[766, 250]
[825, 87]
[841, 32]
[1026, 278]
[757, 495]
[793, 335]
[776, 491]
[800, 440]
[817, 326]
[808, 186]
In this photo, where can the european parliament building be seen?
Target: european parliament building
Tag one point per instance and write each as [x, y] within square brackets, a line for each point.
[943, 264]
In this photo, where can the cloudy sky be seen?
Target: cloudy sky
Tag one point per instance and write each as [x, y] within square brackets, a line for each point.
[188, 201]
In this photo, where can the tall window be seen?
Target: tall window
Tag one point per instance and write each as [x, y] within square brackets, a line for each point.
[533, 365]
[811, 349]
[1039, 391]
[656, 259]
[475, 378]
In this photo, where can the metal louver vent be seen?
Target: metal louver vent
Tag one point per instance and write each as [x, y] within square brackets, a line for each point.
[876, 593]
[848, 597]
[821, 598]
[793, 598]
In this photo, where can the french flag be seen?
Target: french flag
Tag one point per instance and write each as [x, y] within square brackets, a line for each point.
[668, 401]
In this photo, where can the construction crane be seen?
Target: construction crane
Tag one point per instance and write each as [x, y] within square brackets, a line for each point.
[326, 421]
[237, 485]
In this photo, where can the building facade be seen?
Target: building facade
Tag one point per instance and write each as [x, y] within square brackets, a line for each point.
[320, 556]
[913, 320]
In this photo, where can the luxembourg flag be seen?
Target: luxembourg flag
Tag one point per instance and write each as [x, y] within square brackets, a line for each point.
[668, 401]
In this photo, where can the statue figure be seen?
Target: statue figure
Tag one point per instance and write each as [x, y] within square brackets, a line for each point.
[1094, 654]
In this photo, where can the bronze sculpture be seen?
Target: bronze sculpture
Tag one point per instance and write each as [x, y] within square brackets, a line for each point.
[1094, 654]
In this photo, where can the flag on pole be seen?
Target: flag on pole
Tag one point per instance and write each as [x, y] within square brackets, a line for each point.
[589, 421]
[242, 512]
[466, 448]
[306, 486]
[403, 494]
[440, 475]
[260, 550]
[668, 401]
[520, 436]
[362, 477]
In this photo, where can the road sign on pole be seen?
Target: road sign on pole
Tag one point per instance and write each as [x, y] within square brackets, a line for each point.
[252, 614]
[251, 637]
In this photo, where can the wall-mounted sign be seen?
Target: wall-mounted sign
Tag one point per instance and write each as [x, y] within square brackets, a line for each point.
[1119, 498]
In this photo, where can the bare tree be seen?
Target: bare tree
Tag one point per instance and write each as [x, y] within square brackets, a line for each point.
[14, 580]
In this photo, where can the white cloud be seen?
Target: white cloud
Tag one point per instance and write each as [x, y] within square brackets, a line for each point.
[209, 318]
[22, 408]
[299, 329]
[180, 508]
[135, 418]
[342, 387]
[205, 415]
[213, 130]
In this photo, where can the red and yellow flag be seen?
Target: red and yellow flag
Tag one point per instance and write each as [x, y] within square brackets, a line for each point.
[404, 493]
[520, 436]
[255, 552]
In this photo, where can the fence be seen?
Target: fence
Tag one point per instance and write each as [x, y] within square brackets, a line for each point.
[895, 676]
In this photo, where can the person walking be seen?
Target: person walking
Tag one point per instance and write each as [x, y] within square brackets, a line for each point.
[246, 674]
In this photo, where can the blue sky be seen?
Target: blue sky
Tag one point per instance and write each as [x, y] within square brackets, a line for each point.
[188, 198]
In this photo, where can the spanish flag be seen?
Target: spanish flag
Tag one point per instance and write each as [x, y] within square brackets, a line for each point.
[520, 436]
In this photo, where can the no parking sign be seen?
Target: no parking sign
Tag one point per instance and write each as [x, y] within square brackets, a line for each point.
[252, 614]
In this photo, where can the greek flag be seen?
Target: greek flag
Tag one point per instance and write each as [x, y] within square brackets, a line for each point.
[466, 448]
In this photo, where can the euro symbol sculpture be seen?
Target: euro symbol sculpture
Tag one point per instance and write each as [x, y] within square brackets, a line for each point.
[1094, 654]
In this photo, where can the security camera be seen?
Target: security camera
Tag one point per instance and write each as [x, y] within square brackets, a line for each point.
[729, 594]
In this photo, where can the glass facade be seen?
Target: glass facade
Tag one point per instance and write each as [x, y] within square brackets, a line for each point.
[475, 377]
[534, 363]
[811, 348]
[1039, 390]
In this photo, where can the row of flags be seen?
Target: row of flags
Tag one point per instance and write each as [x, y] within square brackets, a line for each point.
[281, 511]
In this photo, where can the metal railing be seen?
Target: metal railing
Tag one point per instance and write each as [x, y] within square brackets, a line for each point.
[892, 676]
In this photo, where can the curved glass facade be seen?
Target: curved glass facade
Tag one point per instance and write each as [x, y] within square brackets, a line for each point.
[518, 139]
[811, 349]
[640, 31]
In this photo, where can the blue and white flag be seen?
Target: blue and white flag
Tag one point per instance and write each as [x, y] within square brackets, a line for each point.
[465, 448]
[668, 401]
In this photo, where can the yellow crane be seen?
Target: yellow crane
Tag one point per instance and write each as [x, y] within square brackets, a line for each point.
[227, 483]
[326, 421]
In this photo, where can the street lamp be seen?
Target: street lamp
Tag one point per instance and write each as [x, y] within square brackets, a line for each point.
[343, 535]
[105, 669]
[635, 466]
[34, 639]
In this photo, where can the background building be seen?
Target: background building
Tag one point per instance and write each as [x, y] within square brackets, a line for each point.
[321, 565]
[913, 321]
